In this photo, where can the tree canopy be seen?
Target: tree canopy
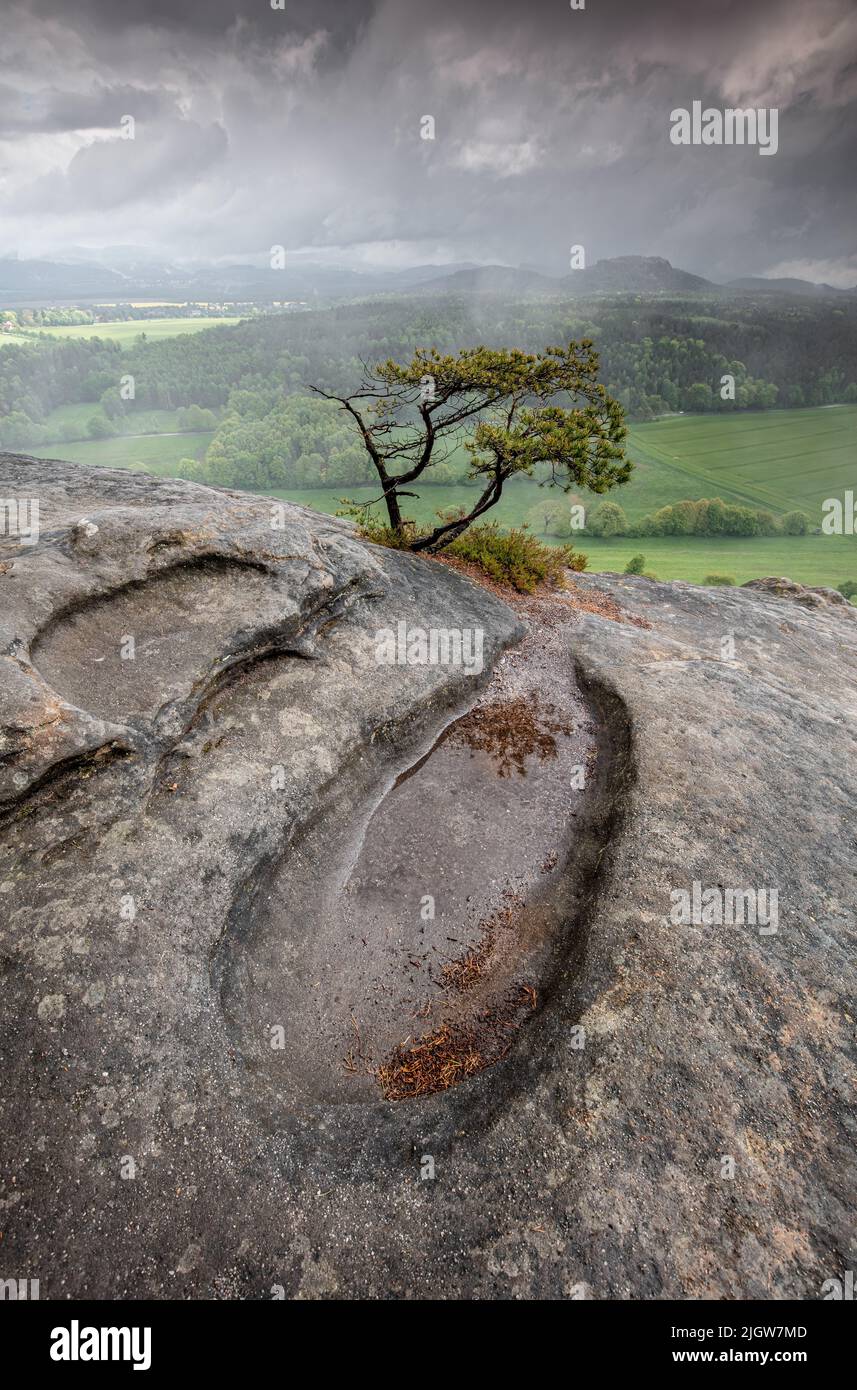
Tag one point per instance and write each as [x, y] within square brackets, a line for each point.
[511, 405]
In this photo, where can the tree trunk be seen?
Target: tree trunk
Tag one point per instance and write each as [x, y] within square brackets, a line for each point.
[391, 497]
[443, 536]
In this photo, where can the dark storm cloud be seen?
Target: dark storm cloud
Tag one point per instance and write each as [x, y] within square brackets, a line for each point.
[100, 108]
[301, 127]
[248, 21]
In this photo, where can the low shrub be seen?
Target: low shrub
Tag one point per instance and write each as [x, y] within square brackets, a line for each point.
[718, 579]
[512, 557]
[515, 557]
[795, 524]
[370, 526]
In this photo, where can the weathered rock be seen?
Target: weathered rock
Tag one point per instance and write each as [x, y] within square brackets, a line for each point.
[800, 593]
[177, 833]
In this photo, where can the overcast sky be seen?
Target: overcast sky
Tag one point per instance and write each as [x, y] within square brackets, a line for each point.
[301, 127]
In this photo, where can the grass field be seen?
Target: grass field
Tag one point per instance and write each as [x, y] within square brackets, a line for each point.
[780, 460]
[808, 559]
[777, 459]
[516, 500]
[74, 417]
[155, 453]
[125, 333]
[77, 417]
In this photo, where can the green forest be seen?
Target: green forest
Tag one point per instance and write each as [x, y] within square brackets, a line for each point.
[233, 406]
[658, 357]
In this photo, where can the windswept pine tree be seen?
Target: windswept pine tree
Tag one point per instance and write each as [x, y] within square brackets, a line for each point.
[517, 410]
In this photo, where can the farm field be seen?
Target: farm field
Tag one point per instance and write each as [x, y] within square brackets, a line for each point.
[154, 453]
[781, 460]
[807, 559]
[126, 333]
[518, 496]
[826, 560]
[77, 417]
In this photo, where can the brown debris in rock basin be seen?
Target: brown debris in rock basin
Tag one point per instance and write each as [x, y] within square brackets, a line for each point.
[437, 1061]
[464, 972]
[510, 731]
[452, 1053]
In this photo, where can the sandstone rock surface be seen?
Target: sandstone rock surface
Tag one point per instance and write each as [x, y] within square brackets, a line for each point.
[213, 831]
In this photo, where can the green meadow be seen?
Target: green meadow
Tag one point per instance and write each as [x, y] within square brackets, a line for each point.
[808, 559]
[152, 453]
[77, 417]
[126, 333]
[780, 460]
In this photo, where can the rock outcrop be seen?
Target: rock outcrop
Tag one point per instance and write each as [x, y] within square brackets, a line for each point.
[331, 973]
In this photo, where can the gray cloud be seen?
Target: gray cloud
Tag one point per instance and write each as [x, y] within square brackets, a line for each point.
[49, 109]
[120, 173]
[301, 127]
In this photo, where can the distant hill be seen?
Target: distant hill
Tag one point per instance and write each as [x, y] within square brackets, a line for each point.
[621, 274]
[87, 278]
[760, 284]
[49, 278]
[131, 275]
[419, 274]
[492, 279]
[30, 281]
[634, 275]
